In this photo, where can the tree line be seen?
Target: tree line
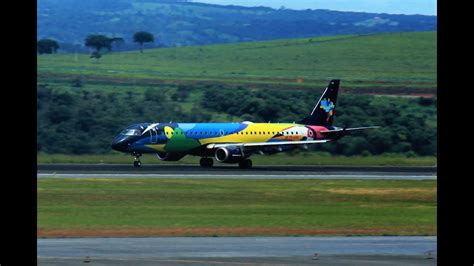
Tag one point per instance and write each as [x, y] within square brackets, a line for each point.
[79, 121]
[98, 42]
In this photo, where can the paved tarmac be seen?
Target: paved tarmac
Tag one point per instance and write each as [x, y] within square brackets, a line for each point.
[237, 250]
[417, 250]
[231, 171]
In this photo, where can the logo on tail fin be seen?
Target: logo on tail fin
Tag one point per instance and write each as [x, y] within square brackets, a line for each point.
[328, 107]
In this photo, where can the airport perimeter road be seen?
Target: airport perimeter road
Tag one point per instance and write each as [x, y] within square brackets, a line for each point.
[264, 172]
[239, 250]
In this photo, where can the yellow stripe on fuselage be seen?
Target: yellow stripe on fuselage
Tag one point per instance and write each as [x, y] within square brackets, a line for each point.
[257, 132]
[158, 147]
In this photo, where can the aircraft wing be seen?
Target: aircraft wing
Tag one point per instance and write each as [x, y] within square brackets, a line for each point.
[265, 144]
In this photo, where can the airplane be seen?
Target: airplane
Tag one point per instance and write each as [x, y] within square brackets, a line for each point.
[233, 143]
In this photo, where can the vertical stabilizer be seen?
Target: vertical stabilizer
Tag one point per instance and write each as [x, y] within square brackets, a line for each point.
[324, 111]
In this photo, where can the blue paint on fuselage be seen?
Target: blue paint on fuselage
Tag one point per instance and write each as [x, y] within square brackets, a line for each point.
[210, 130]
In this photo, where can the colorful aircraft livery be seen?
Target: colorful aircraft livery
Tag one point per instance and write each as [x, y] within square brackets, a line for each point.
[233, 142]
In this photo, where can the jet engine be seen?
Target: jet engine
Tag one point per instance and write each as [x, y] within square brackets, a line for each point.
[167, 156]
[229, 155]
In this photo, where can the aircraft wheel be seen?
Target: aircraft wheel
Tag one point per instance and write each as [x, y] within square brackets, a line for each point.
[137, 163]
[206, 162]
[245, 163]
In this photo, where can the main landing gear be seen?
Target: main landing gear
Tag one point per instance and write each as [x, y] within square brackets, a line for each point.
[206, 162]
[136, 158]
[245, 163]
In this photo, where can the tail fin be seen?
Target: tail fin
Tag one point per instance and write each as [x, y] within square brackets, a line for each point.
[323, 112]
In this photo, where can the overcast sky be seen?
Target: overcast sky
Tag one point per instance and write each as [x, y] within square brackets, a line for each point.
[409, 7]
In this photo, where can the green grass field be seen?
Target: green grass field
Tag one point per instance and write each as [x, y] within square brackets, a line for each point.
[391, 61]
[276, 159]
[210, 207]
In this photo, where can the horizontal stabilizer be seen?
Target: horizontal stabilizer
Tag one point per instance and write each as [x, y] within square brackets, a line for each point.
[338, 133]
[347, 129]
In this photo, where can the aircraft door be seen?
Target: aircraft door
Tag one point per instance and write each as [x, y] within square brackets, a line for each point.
[153, 135]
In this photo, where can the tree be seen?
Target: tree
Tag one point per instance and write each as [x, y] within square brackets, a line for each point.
[95, 55]
[99, 42]
[142, 37]
[47, 46]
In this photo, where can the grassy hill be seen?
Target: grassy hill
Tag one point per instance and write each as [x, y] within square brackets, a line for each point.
[398, 63]
[181, 23]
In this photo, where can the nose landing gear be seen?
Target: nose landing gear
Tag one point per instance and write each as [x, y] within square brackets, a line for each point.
[136, 158]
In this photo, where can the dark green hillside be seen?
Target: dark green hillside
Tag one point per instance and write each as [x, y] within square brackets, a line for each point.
[179, 23]
[82, 120]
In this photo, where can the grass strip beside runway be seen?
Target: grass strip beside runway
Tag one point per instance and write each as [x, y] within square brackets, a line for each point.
[231, 207]
[303, 158]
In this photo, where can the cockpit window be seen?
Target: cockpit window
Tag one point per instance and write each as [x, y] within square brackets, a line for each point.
[130, 132]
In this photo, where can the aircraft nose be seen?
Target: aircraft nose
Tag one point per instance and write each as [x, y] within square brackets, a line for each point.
[120, 143]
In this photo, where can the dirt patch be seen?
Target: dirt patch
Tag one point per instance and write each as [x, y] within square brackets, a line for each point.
[212, 231]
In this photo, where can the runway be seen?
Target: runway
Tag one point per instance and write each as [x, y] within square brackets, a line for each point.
[395, 250]
[386, 250]
[233, 172]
